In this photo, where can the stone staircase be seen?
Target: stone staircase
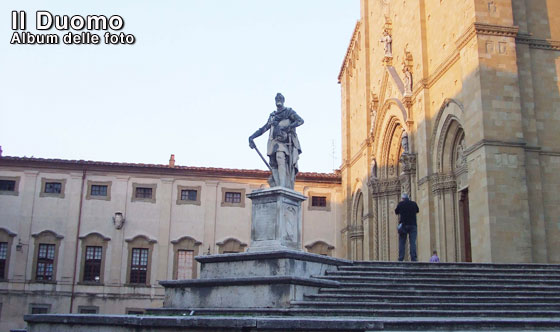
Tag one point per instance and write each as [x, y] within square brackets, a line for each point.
[427, 296]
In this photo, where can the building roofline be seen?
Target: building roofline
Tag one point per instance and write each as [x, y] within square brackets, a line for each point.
[348, 51]
[159, 169]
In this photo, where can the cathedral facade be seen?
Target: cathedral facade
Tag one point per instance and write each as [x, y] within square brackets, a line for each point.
[457, 104]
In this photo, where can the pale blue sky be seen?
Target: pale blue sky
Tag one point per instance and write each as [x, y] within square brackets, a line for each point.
[200, 79]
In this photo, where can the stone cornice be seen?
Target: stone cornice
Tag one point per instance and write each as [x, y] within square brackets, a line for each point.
[358, 154]
[487, 142]
[495, 30]
[349, 51]
[443, 182]
[550, 153]
[544, 44]
[442, 69]
[153, 169]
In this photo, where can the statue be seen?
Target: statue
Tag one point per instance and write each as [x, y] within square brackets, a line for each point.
[283, 147]
[404, 142]
[388, 41]
[373, 169]
[407, 81]
[460, 159]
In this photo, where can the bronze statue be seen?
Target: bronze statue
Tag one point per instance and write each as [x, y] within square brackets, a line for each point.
[283, 147]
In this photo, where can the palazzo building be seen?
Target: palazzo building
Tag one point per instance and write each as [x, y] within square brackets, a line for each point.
[96, 237]
[455, 102]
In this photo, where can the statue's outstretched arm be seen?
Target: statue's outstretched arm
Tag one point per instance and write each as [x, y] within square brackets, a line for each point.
[258, 133]
[261, 130]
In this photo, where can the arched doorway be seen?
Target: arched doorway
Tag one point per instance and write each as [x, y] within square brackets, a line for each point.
[450, 186]
[386, 189]
[356, 231]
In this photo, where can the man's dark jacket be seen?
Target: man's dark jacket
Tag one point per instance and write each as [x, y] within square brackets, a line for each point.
[407, 209]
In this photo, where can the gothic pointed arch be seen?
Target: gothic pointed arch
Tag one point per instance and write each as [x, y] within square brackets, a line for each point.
[449, 183]
[449, 110]
[356, 229]
[392, 107]
[386, 187]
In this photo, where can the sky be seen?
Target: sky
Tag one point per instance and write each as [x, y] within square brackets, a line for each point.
[198, 81]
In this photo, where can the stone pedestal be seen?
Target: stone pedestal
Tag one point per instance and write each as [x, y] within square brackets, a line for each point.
[266, 279]
[276, 219]
[271, 274]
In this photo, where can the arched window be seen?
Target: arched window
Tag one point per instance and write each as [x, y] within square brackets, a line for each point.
[94, 249]
[45, 256]
[185, 250]
[231, 245]
[140, 249]
[320, 248]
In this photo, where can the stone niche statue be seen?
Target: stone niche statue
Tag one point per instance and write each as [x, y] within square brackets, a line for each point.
[404, 142]
[407, 81]
[283, 148]
[388, 41]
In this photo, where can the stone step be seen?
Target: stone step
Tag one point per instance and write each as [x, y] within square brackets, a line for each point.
[445, 274]
[550, 307]
[359, 312]
[414, 286]
[178, 321]
[454, 266]
[436, 268]
[437, 292]
[404, 324]
[443, 280]
[432, 299]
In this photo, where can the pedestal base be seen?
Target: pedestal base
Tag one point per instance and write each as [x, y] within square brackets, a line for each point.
[251, 280]
[276, 219]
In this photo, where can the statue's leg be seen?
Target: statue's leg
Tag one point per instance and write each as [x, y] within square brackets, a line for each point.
[282, 175]
[273, 179]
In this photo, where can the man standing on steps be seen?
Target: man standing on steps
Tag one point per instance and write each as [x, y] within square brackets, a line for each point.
[407, 210]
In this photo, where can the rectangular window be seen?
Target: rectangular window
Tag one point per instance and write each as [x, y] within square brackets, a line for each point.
[139, 266]
[7, 185]
[91, 310]
[45, 262]
[53, 187]
[232, 197]
[3, 258]
[142, 192]
[188, 195]
[39, 310]
[92, 264]
[319, 201]
[185, 260]
[134, 311]
[98, 190]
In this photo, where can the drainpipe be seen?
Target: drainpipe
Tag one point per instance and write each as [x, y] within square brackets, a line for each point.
[77, 239]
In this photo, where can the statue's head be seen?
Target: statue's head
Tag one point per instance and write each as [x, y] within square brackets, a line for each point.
[279, 99]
